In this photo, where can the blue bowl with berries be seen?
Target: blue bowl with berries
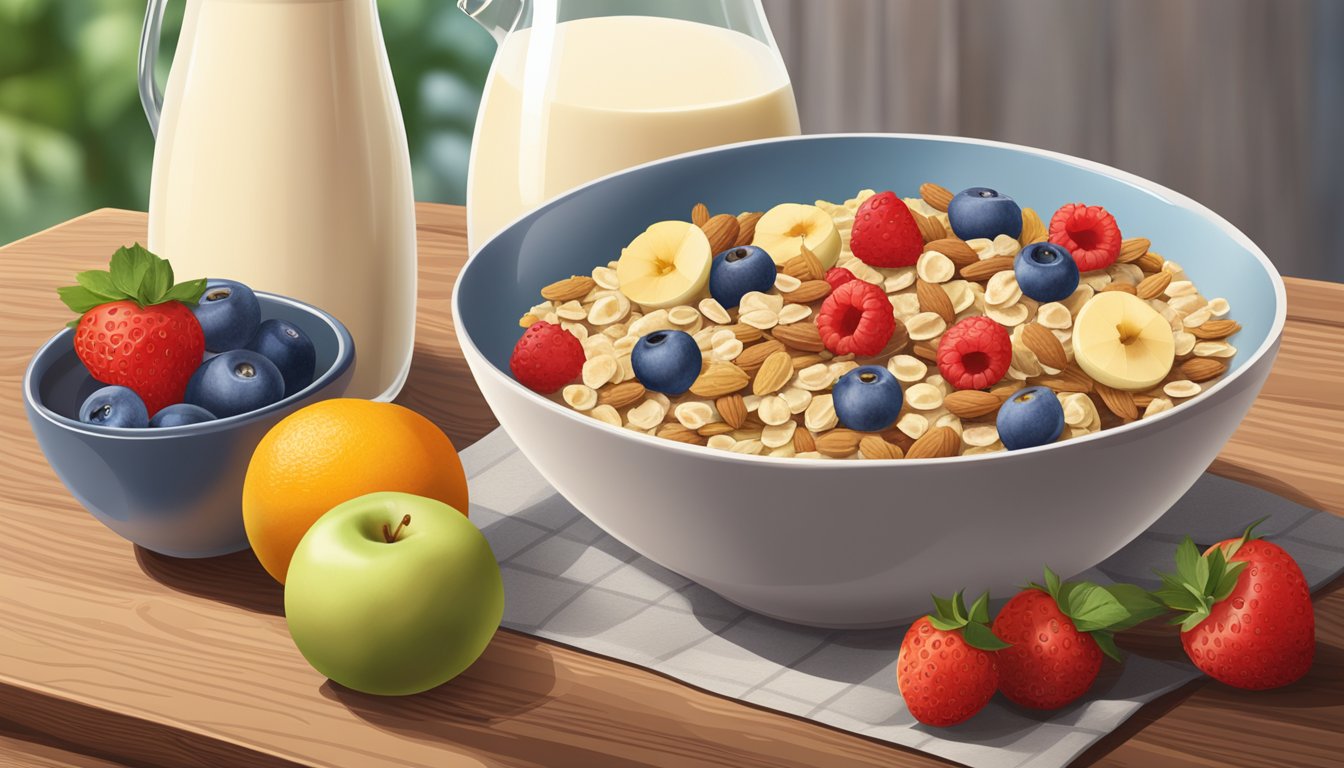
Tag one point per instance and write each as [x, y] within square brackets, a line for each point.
[164, 468]
[843, 537]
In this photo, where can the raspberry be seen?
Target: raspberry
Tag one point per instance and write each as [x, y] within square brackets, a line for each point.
[974, 353]
[856, 319]
[546, 358]
[838, 276]
[1089, 233]
[885, 233]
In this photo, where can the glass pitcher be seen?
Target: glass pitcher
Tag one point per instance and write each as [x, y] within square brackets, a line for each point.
[583, 88]
[281, 161]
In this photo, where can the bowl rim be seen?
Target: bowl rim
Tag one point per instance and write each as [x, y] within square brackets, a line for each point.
[345, 346]
[1170, 196]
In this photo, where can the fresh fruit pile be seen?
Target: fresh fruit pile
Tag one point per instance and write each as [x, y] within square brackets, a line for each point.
[1243, 606]
[880, 328]
[179, 354]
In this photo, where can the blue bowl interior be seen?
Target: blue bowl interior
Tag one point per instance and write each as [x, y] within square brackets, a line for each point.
[591, 225]
[66, 383]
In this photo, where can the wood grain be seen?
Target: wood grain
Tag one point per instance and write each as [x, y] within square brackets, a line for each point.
[155, 661]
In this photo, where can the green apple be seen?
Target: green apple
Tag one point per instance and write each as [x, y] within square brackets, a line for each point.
[393, 594]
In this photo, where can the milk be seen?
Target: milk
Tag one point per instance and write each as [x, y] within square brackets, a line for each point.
[281, 162]
[605, 93]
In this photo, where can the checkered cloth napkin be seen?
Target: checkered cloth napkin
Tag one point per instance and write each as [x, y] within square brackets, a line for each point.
[566, 580]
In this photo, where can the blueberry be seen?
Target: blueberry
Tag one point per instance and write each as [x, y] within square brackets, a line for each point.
[1046, 272]
[983, 212]
[739, 271]
[666, 361]
[180, 415]
[228, 313]
[1031, 417]
[290, 349]
[235, 382]
[114, 407]
[867, 399]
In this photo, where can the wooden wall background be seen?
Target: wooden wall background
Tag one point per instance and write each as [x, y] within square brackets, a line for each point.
[1236, 103]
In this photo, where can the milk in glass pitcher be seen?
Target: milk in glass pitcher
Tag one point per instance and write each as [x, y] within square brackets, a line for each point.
[582, 88]
[281, 162]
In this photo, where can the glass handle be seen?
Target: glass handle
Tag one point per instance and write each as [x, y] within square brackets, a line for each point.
[151, 98]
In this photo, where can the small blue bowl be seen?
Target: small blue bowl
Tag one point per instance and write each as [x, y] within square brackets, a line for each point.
[174, 490]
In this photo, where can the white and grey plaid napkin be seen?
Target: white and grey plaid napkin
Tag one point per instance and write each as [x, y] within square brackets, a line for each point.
[566, 580]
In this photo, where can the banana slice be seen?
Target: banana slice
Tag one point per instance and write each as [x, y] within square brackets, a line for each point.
[1122, 342]
[668, 264]
[784, 229]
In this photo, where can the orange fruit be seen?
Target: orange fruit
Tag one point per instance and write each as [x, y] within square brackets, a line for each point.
[331, 452]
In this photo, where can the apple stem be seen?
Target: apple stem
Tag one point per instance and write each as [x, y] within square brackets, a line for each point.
[391, 536]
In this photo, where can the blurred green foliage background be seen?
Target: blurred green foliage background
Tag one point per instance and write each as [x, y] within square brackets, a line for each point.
[73, 136]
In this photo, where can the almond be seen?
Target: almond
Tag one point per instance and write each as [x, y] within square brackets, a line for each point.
[1141, 401]
[1033, 229]
[874, 447]
[809, 291]
[986, 268]
[1118, 401]
[1047, 347]
[746, 226]
[838, 443]
[803, 336]
[674, 431]
[751, 358]
[745, 333]
[937, 443]
[926, 351]
[1150, 262]
[715, 428]
[1069, 379]
[932, 298]
[722, 232]
[958, 251]
[1005, 392]
[899, 341]
[803, 361]
[802, 441]
[732, 409]
[699, 214]
[936, 196]
[620, 395]
[528, 320]
[1199, 369]
[1131, 248]
[1120, 287]
[1216, 329]
[1153, 285]
[775, 372]
[805, 266]
[971, 403]
[718, 379]
[569, 289]
[929, 228]
[899, 439]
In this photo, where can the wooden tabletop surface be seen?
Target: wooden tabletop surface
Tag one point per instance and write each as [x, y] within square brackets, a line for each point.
[111, 655]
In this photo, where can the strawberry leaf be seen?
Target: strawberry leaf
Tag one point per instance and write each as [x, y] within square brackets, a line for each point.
[1051, 582]
[99, 281]
[979, 612]
[1228, 582]
[188, 293]
[1187, 555]
[944, 607]
[946, 625]
[1092, 608]
[1137, 602]
[158, 280]
[1106, 642]
[129, 267]
[980, 636]
[79, 299]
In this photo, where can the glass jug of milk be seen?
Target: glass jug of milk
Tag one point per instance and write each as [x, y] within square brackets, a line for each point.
[582, 88]
[281, 161]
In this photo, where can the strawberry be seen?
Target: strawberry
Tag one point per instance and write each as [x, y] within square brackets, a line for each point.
[1058, 634]
[136, 327]
[1246, 614]
[946, 669]
[884, 233]
[546, 358]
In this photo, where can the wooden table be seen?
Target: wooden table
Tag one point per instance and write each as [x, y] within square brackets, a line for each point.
[111, 655]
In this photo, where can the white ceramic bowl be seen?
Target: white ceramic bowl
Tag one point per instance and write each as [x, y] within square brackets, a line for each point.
[862, 543]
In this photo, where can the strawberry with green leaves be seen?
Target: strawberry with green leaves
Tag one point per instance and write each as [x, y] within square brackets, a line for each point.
[1245, 611]
[136, 327]
[946, 669]
[1058, 634]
